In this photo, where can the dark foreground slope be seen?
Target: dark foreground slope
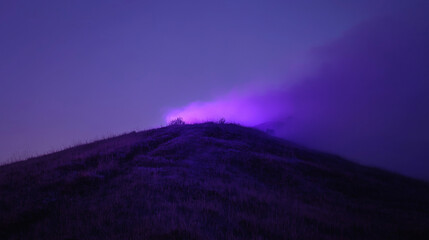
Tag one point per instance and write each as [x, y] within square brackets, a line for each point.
[206, 181]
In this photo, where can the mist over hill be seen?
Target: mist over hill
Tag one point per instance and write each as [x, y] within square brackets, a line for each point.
[206, 181]
[364, 95]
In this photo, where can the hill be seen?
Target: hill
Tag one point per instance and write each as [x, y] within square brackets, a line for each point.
[206, 181]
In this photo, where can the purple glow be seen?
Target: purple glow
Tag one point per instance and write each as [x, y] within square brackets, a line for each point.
[80, 70]
[246, 109]
[366, 97]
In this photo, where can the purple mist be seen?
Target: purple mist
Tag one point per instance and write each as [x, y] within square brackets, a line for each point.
[240, 108]
[73, 71]
[366, 97]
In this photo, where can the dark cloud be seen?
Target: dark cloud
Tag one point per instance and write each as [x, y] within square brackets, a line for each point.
[369, 98]
[366, 97]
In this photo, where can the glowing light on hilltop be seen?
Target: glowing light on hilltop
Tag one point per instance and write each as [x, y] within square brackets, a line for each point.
[244, 109]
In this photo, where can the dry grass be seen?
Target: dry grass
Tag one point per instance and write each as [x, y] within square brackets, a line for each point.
[206, 181]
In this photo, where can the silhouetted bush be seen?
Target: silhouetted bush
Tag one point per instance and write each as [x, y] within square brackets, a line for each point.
[222, 121]
[177, 121]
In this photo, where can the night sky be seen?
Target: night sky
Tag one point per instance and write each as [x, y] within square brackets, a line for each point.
[74, 71]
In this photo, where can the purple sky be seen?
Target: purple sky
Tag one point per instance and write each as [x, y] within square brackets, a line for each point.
[72, 71]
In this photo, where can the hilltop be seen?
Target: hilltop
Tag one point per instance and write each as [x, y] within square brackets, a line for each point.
[206, 181]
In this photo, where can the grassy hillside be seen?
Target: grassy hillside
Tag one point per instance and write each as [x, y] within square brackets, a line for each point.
[206, 181]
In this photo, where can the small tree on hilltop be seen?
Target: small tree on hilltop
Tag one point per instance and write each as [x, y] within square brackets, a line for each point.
[222, 121]
[177, 121]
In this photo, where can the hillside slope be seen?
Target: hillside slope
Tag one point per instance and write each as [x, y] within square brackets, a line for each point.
[206, 181]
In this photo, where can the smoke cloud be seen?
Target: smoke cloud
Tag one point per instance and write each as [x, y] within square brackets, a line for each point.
[366, 97]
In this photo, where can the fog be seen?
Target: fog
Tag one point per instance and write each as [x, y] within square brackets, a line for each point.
[364, 96]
